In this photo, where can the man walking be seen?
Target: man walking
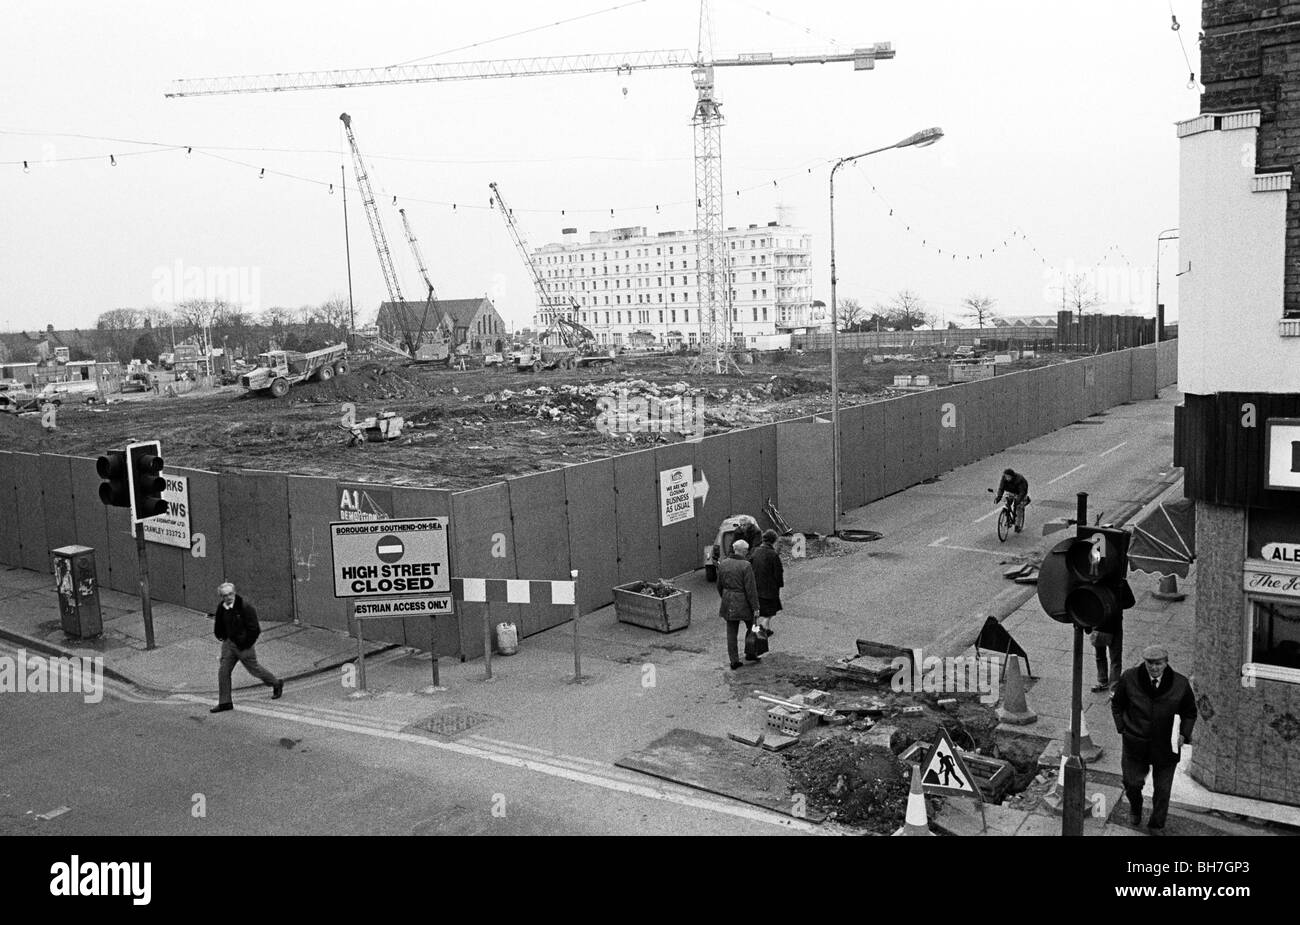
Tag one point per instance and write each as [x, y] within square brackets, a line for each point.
[1144, 704]
[237, 628]
[739, 597]
[1108, 639]
[769, 579]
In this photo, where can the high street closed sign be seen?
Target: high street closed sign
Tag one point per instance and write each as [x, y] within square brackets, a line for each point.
[390, 557]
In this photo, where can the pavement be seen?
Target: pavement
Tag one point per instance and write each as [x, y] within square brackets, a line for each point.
[637, 683]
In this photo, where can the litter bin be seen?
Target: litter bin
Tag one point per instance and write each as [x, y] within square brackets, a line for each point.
[78, 590]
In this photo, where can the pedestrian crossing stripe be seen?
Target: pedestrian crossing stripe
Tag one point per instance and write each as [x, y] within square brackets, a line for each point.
[945, 772]
[512, 591]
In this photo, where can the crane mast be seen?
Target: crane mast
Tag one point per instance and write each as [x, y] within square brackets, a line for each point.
[546, 305]
[432, 295]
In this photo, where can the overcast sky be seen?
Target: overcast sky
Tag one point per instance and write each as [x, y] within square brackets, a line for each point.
[1058, 121]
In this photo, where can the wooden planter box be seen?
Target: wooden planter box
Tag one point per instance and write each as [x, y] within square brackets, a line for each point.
[664, 614]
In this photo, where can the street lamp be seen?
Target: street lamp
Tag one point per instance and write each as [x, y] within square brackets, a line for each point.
[1169, 234]
[921, 139]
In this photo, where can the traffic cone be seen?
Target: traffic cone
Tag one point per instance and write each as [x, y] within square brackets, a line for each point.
[1169, 589]
[1015, 710]
[1089, 751]
[1054, 798]
[915, 822]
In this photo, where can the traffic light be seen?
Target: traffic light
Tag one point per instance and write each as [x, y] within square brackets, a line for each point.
[1084, 580]
[115, 490]
[145, 467]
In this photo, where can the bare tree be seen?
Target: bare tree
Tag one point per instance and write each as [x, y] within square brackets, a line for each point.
[1078, 294]
[851, 313]
[907, 312]
[335, 312]
[979, 308]
[116, 332]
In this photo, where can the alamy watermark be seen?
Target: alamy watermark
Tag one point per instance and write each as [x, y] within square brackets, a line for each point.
[650, 414]
[240, 286]
[37, 674]
[1098, 286]
[959, 674]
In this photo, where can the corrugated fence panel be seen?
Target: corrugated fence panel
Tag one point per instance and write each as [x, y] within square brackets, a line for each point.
[123, 563]
[88, 511]
[1143, 385]
[894, 472]
[477, 517]
[746, 475]
[313, 503]
[257, 549]
[1166, 363]
[677, 542]
[204, 573]
[593, 531]
[167, 573]
[804, 460]
[541, 527]
[636, 484]
[852, 457]
[1074, 389]
[713, 459]
[974, 409]
[1026, 416]
[35, 553]
[57, 500]
[10, 518]
[873, 452]
[429, 502]
[770, 483]
[946, 440]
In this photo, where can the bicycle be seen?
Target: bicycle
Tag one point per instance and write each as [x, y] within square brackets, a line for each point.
[1010, 516]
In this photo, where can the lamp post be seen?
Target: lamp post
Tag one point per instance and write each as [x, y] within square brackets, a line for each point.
[1169, 234]
[919, 139]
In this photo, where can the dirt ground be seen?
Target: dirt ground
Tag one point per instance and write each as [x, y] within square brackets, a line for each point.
[463, 429]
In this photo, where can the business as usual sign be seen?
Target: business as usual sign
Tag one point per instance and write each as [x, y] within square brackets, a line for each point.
[390, 557]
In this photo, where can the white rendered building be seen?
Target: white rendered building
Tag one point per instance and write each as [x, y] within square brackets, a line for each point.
[631, 287]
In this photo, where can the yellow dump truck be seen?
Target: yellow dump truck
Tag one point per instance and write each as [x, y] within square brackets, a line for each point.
[276, 370]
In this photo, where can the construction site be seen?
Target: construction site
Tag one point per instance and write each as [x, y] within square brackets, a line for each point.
[463, 429]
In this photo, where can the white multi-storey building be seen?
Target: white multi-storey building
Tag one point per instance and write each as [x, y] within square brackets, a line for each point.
[631, 287]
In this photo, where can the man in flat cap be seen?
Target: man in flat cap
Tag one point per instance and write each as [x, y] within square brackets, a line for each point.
[1145, 703]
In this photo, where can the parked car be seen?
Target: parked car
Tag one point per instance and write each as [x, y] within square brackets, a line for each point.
[79, 390]
[16, 396]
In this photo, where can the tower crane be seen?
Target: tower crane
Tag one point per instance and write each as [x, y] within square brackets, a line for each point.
[432, 295]
[377, 233]
[713, 274]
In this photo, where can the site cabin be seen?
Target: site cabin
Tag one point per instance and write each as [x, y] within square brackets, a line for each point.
[276, 370]
[536, 358]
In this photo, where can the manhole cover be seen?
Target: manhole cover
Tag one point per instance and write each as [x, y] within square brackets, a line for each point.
[449, 723]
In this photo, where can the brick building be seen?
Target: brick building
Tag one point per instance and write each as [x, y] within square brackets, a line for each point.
[1237, 433]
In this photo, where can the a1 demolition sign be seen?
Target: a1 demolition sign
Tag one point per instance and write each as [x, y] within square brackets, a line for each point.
[385, 558]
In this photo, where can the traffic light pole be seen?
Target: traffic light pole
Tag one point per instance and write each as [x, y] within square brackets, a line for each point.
[1073, 802]
[146, 602]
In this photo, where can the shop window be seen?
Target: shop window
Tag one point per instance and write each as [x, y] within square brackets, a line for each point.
[1274, 639]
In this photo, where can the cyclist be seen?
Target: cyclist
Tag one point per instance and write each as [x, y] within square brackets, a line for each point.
[1017, 486]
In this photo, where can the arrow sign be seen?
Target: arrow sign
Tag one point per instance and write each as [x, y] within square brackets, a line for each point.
[700, 489]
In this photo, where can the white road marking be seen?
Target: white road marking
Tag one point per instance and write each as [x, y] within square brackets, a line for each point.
[542, 766]
[1113, 449]
[1064, 474]
[940, 544]
[992, 513]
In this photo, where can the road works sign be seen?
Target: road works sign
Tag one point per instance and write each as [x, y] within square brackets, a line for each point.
[678, 490]
[384, 558]
[945, 772]
[409, 607]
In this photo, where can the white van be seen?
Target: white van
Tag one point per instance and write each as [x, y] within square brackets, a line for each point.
[79, 390]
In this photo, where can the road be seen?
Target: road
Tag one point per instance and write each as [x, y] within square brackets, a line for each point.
[940, 557]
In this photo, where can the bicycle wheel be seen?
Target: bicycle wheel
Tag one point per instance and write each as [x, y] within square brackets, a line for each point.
[1004, 524]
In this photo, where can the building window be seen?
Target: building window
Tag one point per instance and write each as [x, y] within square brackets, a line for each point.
[765, 296]
[1274, 639]
[765, 318]
[672, 297]
[673, 313]
[686, 313]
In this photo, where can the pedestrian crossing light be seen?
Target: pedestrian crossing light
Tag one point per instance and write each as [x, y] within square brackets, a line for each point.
[145, 464]
[1084, 579]
[115, 490]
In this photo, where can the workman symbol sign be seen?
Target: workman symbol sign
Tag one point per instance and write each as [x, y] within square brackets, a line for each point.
[389, 548]
[945, 772]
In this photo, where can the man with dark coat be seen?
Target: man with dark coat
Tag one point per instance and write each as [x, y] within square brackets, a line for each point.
[1144, 705]
[739, 597]
[237, 627]
[1108, 640]
[769, 577]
